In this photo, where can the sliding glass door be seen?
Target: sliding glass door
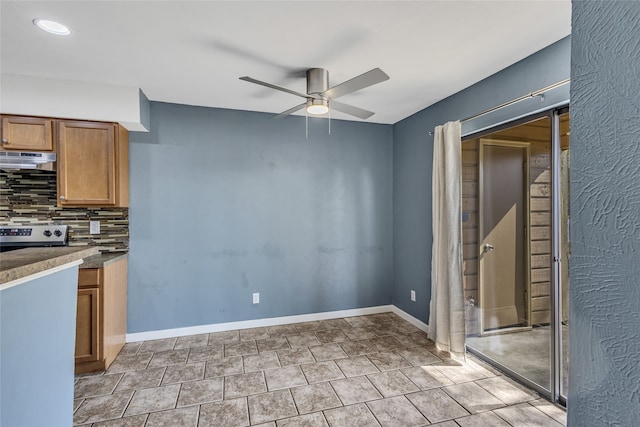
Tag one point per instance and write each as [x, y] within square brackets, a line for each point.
[515, 199]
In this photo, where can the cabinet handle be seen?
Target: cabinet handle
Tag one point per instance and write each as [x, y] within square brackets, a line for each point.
[4, 141]
[61, 197]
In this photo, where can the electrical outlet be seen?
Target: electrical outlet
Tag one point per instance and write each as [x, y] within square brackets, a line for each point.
[256, 297]
[413, 295]
[94, 227]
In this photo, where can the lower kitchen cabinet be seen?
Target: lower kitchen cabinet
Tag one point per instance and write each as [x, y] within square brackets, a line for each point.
[101, 322]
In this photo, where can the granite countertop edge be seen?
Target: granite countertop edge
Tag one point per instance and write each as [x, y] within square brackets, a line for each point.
[19, 264]
[101, 260]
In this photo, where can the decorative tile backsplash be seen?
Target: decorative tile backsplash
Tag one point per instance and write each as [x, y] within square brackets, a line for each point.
[29, 196]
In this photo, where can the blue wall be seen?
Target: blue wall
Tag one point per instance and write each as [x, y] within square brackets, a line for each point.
[225, 203]
[37, 348]
[412, 159]
[604, 373]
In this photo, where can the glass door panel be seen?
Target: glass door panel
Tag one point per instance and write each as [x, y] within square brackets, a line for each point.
[508, 208]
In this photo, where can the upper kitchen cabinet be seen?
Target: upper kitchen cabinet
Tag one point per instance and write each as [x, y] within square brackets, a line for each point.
[27, 133]
[93, 164]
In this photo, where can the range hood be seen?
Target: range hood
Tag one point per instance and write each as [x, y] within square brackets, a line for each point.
[26, 160]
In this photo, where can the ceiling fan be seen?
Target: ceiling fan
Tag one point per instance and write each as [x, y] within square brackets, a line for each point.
[320, 97]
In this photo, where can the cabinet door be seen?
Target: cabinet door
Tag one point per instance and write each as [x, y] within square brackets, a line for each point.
[86, 164]
[87, 325]
[27, 133]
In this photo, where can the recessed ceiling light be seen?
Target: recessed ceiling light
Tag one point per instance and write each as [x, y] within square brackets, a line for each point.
[52, 27]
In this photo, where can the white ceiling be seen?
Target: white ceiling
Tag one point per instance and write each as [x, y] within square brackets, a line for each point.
[192, 52]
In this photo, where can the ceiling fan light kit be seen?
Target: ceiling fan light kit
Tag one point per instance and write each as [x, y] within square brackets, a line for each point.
[320, 97]
[317, 106]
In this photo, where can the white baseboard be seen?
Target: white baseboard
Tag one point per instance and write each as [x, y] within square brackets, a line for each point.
[245, 324]
[409, 318]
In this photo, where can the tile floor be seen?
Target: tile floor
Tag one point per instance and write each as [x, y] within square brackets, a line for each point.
[357, 371]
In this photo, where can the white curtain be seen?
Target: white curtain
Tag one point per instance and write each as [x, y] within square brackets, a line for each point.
[446, 316]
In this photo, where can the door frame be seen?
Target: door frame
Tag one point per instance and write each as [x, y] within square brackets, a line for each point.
[527, 230]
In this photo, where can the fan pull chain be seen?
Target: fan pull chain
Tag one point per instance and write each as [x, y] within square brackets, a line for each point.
[329, 121]
[306, 124]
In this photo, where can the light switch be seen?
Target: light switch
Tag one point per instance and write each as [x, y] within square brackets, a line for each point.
[94, 227]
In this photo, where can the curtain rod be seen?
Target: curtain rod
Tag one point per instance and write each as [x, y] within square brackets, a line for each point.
[539, 92]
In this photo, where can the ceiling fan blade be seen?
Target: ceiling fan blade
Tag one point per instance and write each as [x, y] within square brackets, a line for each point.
[351, 110]
[280, 88]
[290, 111]
[367, 79]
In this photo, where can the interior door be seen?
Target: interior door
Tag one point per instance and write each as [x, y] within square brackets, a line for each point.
[504, 279]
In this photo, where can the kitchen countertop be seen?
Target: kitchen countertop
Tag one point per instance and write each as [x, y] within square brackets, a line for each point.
[100, 260]
[25, 262]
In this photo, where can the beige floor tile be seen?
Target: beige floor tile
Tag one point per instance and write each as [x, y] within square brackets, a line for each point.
[525, 415]
[157, 345]
[357, 348]
[357, 415]
[228, 413]
[270, 406]
[240, 348]
[197, 392]
[355, 390]
[259, 362]
[327, 352]
[558, 414]
[392, 383]
[134, 421]
[359, 321]
[129, 363]
[77, 403]
[310, 420]
[183, 417]
[295, 356]
[204, 354]
[192, 341]
[388, 361]
[305, 327]
[331, 336]
[254, 334]
[484, 419]
[272, 344]
[385, 343]
[321, 372]
[130, 348]
[315, 397]
[270, 424]
[418, 356]
[335, 324]
[396, 411]
[183, 373]
[287, 377]
[96, 386]
[426, 377]
[360, 333]
[445, 424]
[244, 385]
[473, 397]
[504, 390]
[144, 378]
[356, 366]
[303, 340]
[224, 337]
[436, 405]
[459, 373]
[282, 330]
[228, 366]
[102, 408]
[153, 399]
[170, 357]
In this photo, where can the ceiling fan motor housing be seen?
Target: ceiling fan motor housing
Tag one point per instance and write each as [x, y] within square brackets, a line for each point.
[317, 81]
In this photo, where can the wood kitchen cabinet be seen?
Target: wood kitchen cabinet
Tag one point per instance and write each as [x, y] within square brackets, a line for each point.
[93, 164]
[101, 322]
[27, 133]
